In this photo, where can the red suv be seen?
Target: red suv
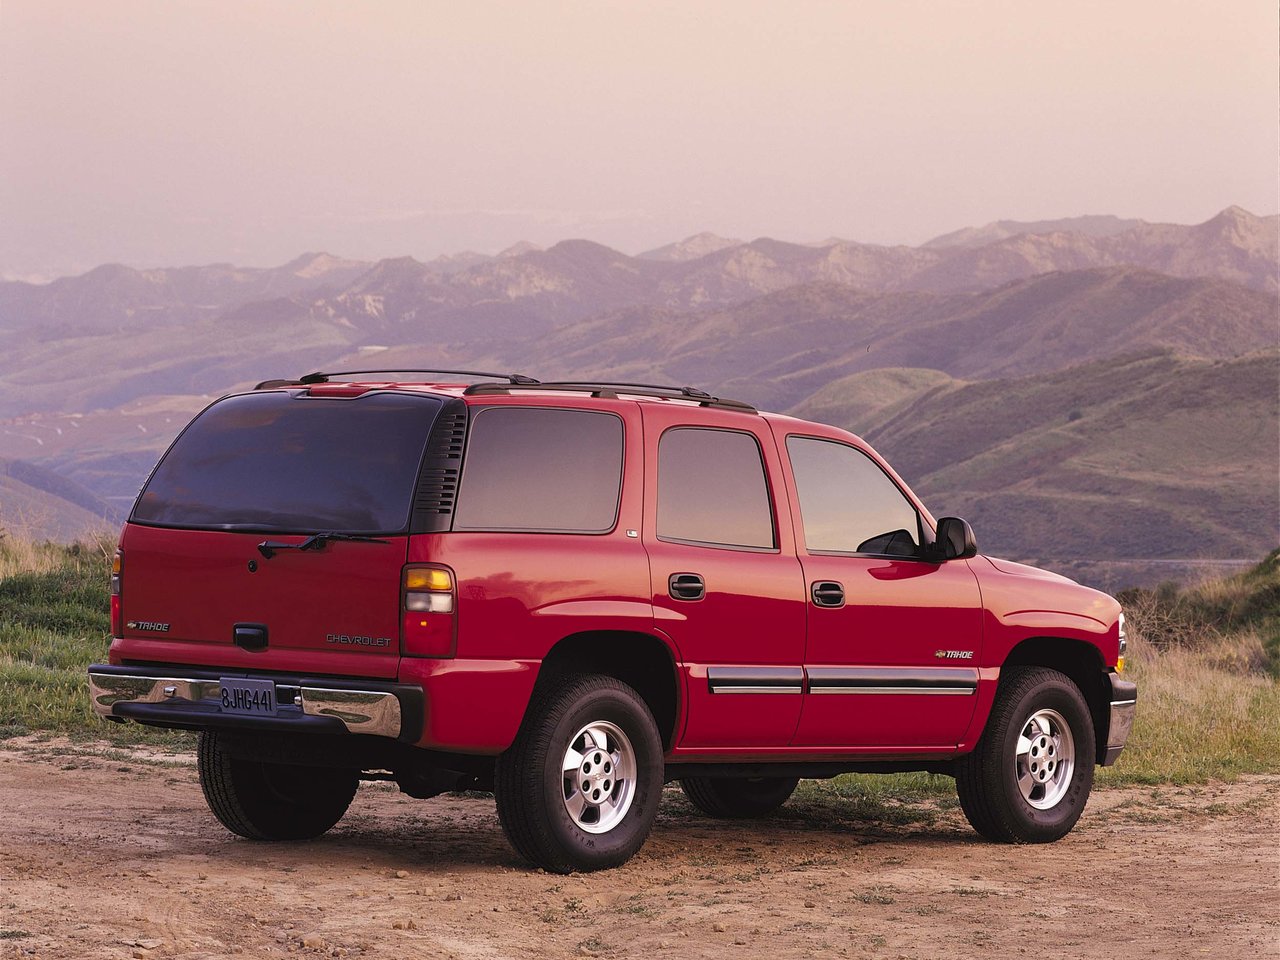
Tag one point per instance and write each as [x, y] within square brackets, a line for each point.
[572, 593]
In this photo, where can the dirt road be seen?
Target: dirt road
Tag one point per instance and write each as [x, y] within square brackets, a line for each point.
[116, 856]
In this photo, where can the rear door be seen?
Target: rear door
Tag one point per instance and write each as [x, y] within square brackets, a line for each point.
[212, 570]
[726, 585]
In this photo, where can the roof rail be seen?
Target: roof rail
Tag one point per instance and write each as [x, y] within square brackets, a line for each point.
[609, 389]
[318, 377]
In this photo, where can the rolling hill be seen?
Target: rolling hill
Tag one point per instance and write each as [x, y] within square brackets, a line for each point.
[778, 349]
[1149, 456]
[38, 503]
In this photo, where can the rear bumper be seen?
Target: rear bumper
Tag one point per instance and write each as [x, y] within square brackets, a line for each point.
[1124, 706]
[187, 698]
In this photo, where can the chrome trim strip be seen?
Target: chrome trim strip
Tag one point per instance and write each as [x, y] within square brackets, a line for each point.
[755, 679]
[947, 681]
[727, 688]
[931, 691]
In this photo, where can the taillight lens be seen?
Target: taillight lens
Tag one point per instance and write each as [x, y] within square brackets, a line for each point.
[117, 616]
[428, 612]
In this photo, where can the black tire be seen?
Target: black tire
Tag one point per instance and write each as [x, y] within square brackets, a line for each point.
[987, 779]
[734, 797]
[530, 782]
[271, 801]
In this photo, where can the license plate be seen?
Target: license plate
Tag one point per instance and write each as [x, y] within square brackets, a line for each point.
[252, 697]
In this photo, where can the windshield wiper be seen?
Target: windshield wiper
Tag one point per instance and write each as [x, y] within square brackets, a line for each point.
[316, 541]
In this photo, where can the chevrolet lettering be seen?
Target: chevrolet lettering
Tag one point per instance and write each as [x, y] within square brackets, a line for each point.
[357, 641]
[572, 593]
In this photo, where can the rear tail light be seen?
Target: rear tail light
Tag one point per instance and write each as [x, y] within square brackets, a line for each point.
[117, 616]
[428, 612]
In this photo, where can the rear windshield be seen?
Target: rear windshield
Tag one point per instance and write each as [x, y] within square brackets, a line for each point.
[272, 461]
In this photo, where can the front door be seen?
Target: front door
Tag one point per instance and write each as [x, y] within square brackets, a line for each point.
[893, 639]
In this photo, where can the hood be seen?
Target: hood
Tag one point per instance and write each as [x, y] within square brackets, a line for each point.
[1023, 570]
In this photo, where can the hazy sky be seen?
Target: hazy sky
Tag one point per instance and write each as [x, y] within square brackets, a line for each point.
[172, 132]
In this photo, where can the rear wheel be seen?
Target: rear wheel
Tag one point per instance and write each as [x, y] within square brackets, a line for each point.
[579, 787]
[738, 796]
[1030, 776]
[271, 801]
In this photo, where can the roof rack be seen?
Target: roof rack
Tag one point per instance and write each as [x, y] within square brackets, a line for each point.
[319, 377]
[609, 389]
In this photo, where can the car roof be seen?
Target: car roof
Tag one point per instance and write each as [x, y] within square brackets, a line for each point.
[323, 384]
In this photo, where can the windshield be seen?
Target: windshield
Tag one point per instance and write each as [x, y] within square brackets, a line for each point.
[276, 461]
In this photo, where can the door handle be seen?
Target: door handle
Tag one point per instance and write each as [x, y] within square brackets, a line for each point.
[827, 593]
[686, 586]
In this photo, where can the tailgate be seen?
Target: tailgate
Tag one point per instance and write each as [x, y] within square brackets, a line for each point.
[212, 598]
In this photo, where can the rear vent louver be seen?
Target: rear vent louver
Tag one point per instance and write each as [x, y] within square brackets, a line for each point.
[437, 490]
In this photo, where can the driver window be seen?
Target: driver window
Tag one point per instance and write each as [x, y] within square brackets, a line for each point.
[848, 504]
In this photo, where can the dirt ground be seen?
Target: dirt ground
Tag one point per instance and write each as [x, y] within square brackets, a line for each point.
[104, 854]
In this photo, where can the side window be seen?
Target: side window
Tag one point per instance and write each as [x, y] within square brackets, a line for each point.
[544, 470]
[712, 489]
[847, 503]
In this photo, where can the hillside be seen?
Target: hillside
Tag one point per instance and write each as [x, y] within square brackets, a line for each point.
[1143, 457]
[37, 503]
[113, 297]
[779, 349]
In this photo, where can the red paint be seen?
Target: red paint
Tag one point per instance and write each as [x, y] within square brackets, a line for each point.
[520, 594]
[198, 582]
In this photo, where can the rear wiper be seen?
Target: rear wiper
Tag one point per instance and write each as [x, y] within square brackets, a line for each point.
[316, 541]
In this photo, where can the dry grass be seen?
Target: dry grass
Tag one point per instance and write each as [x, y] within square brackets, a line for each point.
[1208, 699]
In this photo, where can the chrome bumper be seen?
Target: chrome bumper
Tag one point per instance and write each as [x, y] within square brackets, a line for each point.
[1124, 706]
[303, 705]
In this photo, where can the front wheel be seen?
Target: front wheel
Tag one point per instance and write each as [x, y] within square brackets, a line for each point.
[1029, 778]
[260, 800]
[738, 796]
[579, 787]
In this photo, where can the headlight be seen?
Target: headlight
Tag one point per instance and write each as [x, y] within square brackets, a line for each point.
[1123, 646]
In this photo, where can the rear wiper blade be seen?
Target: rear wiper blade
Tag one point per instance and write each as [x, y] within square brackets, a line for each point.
[316, 541]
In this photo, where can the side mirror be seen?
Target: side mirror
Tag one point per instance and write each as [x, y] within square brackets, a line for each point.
[954, 540]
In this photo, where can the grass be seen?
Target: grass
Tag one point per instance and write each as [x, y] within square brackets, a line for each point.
[1206, 659]
[54, 622]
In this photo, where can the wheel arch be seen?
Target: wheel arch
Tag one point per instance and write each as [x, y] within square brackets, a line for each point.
[1083, 663]
[640, 660]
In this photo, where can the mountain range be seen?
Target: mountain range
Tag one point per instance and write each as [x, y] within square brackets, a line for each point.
[1031, 352]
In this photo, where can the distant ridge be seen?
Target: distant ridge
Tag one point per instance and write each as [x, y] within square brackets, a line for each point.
[1104, 225]
[690, 248]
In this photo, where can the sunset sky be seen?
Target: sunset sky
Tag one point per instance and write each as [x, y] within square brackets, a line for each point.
[159, 133]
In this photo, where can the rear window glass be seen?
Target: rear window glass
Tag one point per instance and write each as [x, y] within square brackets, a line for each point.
[541, 470]
[271, 461]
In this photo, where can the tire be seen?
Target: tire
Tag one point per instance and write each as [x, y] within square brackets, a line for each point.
[1035, 796]
[546, 813]
[271, 801]
[735, 797]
